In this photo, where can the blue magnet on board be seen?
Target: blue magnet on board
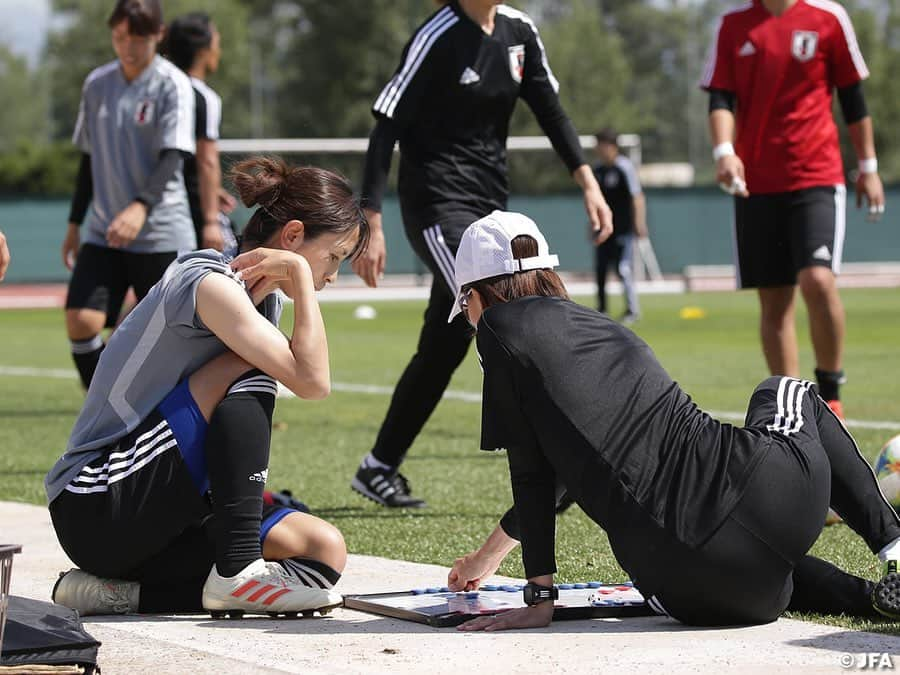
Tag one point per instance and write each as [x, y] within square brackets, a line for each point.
[509, 589]
[490, 587]
[566, 587]
[417, 591]
[594, 584]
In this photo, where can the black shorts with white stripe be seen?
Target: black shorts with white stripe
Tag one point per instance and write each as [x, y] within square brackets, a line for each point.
[777, 235]
[127, 505]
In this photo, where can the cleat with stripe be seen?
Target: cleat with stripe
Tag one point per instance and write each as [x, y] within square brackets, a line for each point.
[886, 594]
[385, 488]
[266, 588]
[92, 595]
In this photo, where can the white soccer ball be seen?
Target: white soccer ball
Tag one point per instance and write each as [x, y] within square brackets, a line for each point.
[364, 312]
[887, 469]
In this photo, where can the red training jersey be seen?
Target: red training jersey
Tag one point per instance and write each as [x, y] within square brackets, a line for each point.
[782, 70]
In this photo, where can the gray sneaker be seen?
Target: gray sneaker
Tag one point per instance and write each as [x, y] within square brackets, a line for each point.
[90, 595]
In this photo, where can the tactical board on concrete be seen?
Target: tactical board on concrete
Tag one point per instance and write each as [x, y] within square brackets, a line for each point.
[441, 607]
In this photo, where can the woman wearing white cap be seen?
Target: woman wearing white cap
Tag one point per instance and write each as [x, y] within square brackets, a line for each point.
[687, 502]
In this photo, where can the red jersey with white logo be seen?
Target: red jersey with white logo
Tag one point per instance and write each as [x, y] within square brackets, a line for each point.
[782, 70]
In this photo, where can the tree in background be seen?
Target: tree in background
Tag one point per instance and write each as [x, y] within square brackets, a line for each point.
[589, 61]
[311, 68]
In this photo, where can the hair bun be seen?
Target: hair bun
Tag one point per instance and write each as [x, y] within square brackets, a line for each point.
[260, 180]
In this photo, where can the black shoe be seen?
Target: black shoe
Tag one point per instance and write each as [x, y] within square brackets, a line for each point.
[285, 498]
[886, 595]
[385, 488]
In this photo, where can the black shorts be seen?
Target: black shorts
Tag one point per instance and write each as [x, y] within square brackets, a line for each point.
[141, 511]
[743, 574]
[102, 277]
[777, 235]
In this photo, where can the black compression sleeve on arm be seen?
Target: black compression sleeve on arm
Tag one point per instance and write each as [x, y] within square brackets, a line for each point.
[378, 163]
[170, 161]
[719, 99]
[853, 103]
[84, 190]
[509, 523]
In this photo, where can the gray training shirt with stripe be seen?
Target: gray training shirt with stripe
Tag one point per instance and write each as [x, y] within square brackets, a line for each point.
[124, 126]
[160, 343]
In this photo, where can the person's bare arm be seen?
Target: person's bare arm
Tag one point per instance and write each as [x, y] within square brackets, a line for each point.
[598, 211]
[300, 363]
[639, 204]
[868, 184]
[209, 174]
[729, 167]
[4, 256]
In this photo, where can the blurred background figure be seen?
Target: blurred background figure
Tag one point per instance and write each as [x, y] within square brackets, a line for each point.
[135, 125]
[621, 187]
[193, 43]
[4, 256]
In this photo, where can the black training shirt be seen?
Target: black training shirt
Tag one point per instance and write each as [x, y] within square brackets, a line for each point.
[449, 104]
[620, 185]
[578, 399]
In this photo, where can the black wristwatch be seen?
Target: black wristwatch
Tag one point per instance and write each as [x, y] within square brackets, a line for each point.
[535, 594]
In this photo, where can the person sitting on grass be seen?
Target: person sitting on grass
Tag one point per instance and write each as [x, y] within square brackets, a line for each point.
[159, 496]
[687, 502]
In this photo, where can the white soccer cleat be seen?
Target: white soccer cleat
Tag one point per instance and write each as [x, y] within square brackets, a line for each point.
[264, 588]
[91, 595]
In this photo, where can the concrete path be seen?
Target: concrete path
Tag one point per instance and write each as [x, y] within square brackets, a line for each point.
[353, 642]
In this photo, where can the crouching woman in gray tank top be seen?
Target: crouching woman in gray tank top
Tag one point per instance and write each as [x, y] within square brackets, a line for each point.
[158, 498]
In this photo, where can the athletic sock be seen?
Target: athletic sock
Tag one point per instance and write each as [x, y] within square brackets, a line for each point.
[370, 461]
[891, 551]
[830, 382]
[86, 354]
[237, 454]
[312, 573]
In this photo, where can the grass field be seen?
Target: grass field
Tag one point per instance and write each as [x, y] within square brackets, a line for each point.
[317, 445]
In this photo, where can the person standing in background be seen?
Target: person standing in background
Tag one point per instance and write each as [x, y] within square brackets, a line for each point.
[193, 43]
[621, 188]
[770, 77]
[135, 125]
[449, 104]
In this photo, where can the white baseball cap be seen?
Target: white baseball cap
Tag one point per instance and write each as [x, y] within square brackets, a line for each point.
[485, 251]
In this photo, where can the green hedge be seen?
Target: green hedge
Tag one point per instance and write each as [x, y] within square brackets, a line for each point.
[38, 169]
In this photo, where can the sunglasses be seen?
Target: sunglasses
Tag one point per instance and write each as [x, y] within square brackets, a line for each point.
[463, 299]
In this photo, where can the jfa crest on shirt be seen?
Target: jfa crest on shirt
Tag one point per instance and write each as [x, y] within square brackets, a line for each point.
[803, 44]
[517, 62]
[143, 113]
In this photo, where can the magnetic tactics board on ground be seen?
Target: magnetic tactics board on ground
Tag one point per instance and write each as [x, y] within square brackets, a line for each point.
[441, 607]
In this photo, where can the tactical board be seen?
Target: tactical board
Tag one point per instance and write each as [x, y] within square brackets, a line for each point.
[441, 607]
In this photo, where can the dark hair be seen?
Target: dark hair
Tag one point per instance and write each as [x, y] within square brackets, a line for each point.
[521, 284]
[185, 36]
[323, 200]
[607, 135]
[144, 17]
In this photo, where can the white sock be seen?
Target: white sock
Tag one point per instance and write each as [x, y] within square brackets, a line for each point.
[891, 551]
[370, 462]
